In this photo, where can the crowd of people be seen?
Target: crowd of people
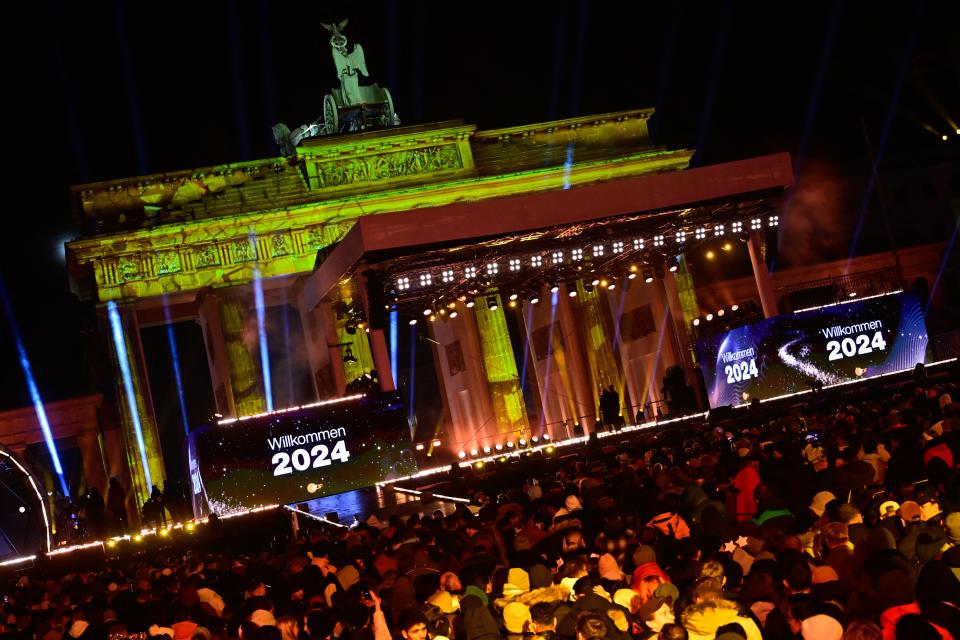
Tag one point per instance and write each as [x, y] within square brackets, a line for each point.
[827, 521]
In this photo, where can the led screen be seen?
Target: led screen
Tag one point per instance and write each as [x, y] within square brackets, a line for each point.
[299, 454]
[829, 345]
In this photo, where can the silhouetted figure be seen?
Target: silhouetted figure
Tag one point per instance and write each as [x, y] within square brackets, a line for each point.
[117, 507]
[94, 508]
[153, 511]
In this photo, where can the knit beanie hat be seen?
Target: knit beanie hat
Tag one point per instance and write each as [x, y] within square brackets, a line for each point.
[515, 616]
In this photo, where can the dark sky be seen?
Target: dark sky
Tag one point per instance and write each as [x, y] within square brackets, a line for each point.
[110, 89]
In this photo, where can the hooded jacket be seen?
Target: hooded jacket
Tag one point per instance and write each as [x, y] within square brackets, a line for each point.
[478, 622]
[701, 620]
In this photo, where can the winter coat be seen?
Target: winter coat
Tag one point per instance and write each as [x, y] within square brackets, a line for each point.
[553, 593]
[478, 622]
[701, 620]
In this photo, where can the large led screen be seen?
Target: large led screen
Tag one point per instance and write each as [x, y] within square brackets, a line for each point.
[299, 454]
[829, 345]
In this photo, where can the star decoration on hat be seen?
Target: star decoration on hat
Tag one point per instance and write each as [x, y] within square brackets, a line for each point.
[742, 541]
[730, 547]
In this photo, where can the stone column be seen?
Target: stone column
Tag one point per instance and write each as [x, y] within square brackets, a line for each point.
[460, 371]
[92, 458]
[230, 330]
[549, 359]
[381, 359]
[644, 338]
[239, 325]
[501, 366]
[682, 338]
[584, 395]
[217, 362]
[146, 466]
[768, 297]
[318, 353]
[328, 322]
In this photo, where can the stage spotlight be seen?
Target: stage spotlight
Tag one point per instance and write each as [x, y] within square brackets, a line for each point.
[595, 281]
[522, 442]
[514, 296]
[546, 436]
[720, 313]
[413, 321]
[469, 303]
[743, 236]
[462, 455]
[646, 257]
[499, 447]
[674, 265]
[554, 288]
[572, 293]
[958, 132]
[710, 255]
[535, 299]
[190, 527]
[427, 311]
[22, 509]
[509, 444]
[696, 322]
[709, 317]
[648, 275]
[454, 314]
[727, 246]
[486, 449]
[474, 452]
[631, 276]
[735, 307]
[419, 446]
[611, 286]
[492, 303]
[512, 304]
[111, 544]
[852, 294]
[944, 137]
[534, 439]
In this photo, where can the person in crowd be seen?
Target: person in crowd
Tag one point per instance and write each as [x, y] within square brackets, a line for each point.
[831, 520]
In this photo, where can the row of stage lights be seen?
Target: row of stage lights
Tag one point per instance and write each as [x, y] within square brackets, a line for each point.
[449, 310]
[508, 446]
[723, 316]
[559, 257]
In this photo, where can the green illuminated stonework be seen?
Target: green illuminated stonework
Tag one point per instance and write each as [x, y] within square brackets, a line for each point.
[240, 338]
[500, 366]
[359, 345]
[144, 410]
[597, 342]
[189, 230]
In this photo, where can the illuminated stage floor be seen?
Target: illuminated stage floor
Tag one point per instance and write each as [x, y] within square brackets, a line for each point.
[381, 503]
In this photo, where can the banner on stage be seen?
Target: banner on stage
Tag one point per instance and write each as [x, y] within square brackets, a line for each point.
[299, 454]
[819, 347]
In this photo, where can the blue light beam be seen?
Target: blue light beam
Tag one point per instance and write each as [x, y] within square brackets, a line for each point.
[34, 392]
[120, 346]
[262, 332]
[175, 358]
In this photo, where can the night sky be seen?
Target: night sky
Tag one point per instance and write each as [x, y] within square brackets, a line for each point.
[109, 89]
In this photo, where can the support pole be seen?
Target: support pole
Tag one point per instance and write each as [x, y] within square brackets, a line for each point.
[768, 299]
